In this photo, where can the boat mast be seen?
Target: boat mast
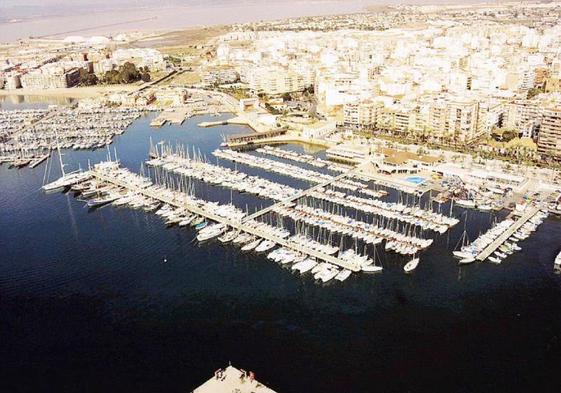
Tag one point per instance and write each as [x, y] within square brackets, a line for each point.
[60, 155]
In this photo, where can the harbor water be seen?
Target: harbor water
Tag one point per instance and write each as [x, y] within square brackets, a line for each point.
[112, 300]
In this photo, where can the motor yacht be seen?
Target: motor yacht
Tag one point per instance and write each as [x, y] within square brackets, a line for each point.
[251, 245]
[210, 232]
[229, 236]
[265, 245]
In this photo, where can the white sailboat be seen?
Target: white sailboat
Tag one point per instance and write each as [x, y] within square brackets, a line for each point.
[372, 268]
[411, 265]
[67, 179]
[462, 250]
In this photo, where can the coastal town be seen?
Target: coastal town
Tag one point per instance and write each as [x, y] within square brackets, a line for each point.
[446, 105]
[328, 192]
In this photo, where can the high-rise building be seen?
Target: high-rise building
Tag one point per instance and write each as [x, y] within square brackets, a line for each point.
[462, 120]
[361, 114]
[549, 139]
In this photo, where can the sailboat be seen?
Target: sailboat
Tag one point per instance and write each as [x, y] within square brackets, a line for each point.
[372, 268]
[67, 179]
[462, 251]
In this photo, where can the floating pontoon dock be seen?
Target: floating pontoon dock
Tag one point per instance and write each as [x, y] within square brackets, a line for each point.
[506, 234]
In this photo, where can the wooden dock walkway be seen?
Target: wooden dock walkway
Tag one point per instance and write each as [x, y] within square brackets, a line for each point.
[491, 248]
[239, 225]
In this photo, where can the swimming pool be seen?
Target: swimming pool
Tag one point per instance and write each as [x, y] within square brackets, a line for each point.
[416, 179]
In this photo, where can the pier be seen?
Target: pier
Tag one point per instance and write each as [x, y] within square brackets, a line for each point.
[296, 197]
[38, 160]
[243, 225]
[253, 137]
[176, 116]
[491, 248]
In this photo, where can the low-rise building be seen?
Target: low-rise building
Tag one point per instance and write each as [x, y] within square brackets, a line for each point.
[318, 130]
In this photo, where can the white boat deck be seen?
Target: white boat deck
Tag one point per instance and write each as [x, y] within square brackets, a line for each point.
[232, 380]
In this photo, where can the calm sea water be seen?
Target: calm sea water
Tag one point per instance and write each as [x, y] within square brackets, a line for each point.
[89, 19]
[88, 304]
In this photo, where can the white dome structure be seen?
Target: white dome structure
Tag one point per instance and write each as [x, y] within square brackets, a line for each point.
[74, 38]
[98, 40]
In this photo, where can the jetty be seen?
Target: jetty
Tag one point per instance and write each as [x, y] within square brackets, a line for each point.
[38, 160]
[230, 380]
[491, 248]
[176, 116]
[301, 194]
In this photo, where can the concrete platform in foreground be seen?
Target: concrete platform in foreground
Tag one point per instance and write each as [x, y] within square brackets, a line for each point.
[232, 380]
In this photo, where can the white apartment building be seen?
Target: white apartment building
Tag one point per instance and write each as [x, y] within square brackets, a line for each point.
[362, 115]
[50, 78]
[273, 80]
[141, 57]
[462, 120]
[491, 114]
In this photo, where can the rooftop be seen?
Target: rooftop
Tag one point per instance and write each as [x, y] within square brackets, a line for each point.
[399, 157]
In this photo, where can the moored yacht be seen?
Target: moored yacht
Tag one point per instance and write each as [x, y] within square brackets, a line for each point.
[265, 245]
[210, 232]
[229, 236]
[251, 245]
[343, 275]
[411, 265]
[494, 260]
[466, 261]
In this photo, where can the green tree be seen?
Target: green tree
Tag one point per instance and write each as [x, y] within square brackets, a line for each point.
[112, 77]
[86, 78]
[126, 73]
[509, 135]
[534, 91]
[129, 73]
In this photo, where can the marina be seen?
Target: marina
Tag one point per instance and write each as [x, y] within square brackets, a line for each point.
[149, 268]
[29, 135]
[341, 201]
[339, 196]
[331, 205]
[129, 184]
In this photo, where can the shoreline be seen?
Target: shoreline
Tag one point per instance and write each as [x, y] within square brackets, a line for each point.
[71, 92]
